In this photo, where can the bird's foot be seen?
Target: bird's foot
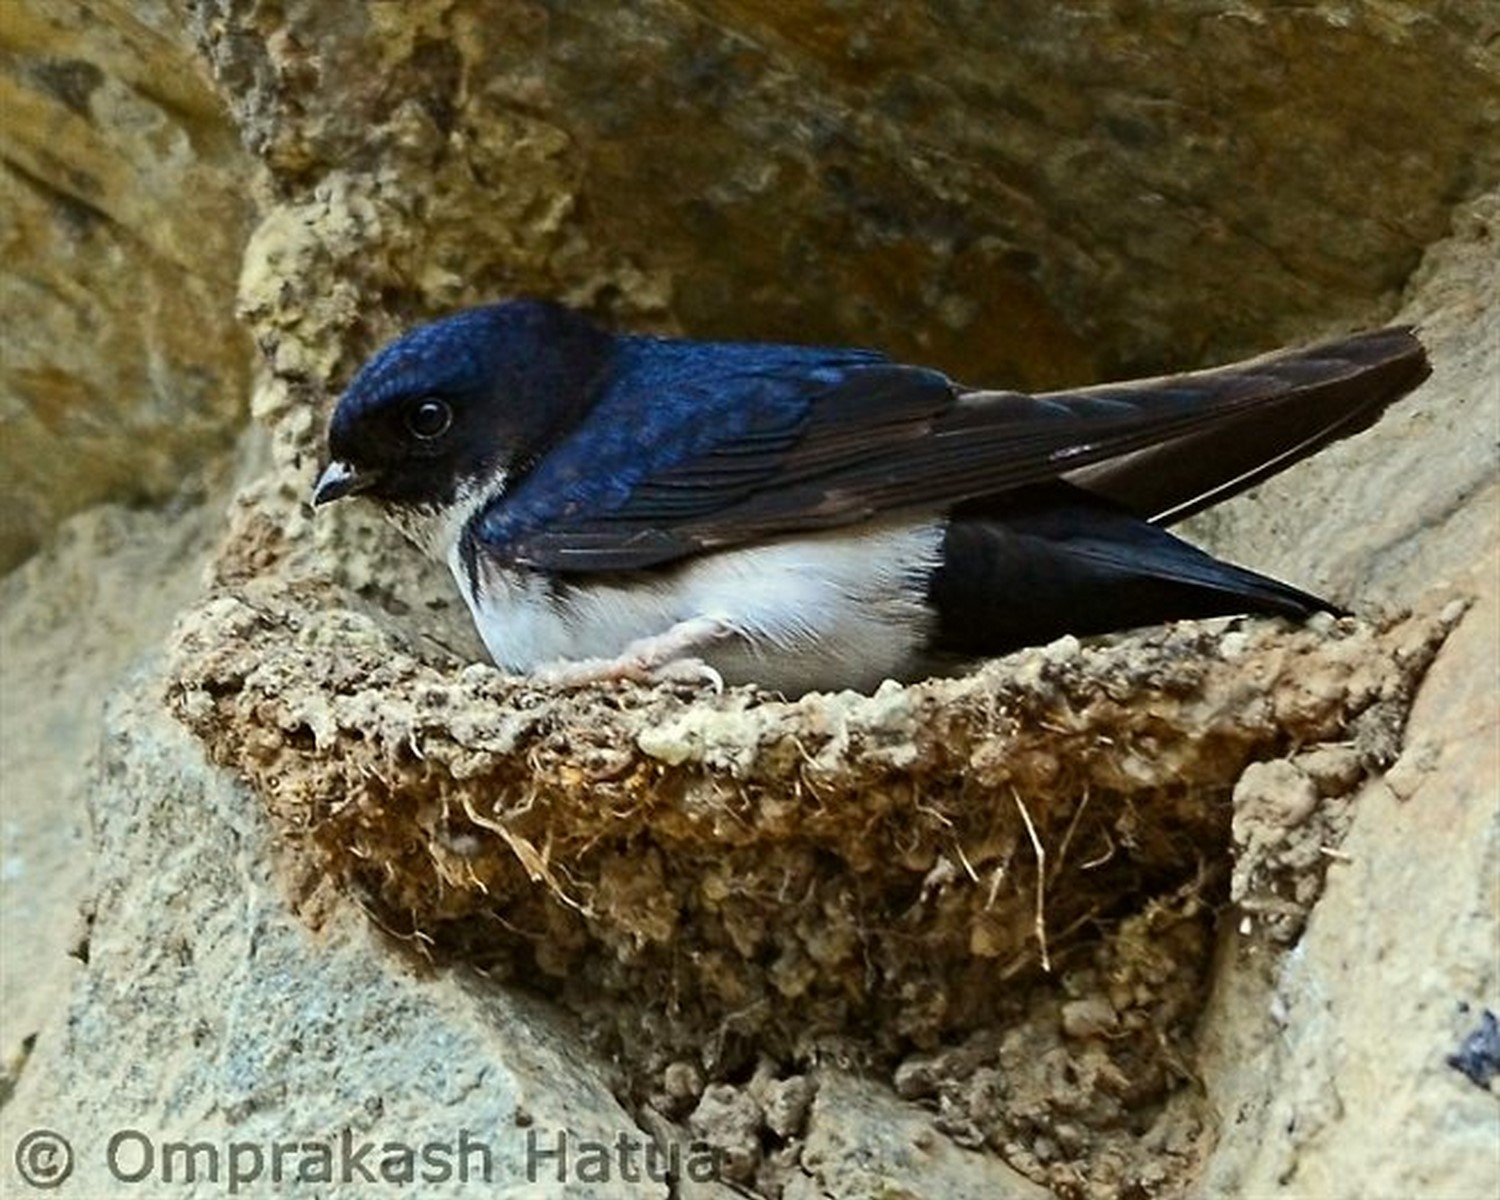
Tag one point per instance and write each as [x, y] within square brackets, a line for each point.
[664, 658]
[579, 672]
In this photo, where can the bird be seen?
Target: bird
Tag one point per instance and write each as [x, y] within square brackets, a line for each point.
[621, 506]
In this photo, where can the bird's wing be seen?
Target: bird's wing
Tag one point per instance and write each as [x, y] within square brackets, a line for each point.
[774, 442]
[1344, 387]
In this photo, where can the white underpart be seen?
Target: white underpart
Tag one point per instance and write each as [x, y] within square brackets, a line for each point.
[436, 530]
[841, 609]
[833, 610]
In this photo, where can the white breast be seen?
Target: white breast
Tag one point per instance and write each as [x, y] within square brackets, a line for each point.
[841, 609]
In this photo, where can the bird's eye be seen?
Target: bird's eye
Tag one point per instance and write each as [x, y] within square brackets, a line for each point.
[429, 419]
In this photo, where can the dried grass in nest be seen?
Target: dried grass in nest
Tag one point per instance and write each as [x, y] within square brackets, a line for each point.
[876, 865]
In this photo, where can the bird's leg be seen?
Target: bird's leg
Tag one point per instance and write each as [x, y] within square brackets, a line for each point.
[662, 658]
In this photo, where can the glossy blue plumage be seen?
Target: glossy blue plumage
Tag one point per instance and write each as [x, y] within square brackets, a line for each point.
[668, 404]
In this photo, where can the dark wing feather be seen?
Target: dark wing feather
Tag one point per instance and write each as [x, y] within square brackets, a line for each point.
[1028, 566]
[1344, 388]
[780, 441]
[690, 446]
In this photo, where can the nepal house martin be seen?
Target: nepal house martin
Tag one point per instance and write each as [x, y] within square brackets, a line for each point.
[620, 506]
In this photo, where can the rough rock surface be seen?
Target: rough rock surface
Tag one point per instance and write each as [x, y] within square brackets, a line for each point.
[1329, 1067]
[123, 211]
[74, 616]
[1064, 193]
[225, 1021]
[1004, 182]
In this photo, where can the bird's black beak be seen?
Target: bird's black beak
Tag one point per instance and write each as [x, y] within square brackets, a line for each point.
[338, 480]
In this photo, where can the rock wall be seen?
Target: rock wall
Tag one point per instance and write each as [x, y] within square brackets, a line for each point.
[1032, 198]
[125, 199]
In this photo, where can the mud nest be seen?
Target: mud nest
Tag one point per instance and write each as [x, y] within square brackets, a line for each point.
[740, 869]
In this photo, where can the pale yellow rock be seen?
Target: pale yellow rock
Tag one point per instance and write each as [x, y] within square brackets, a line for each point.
[865, 1144]
[1328, 1068]
[124, 203]
[72, 620]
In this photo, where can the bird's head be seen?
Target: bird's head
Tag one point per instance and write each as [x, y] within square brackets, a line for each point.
[457, 409]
